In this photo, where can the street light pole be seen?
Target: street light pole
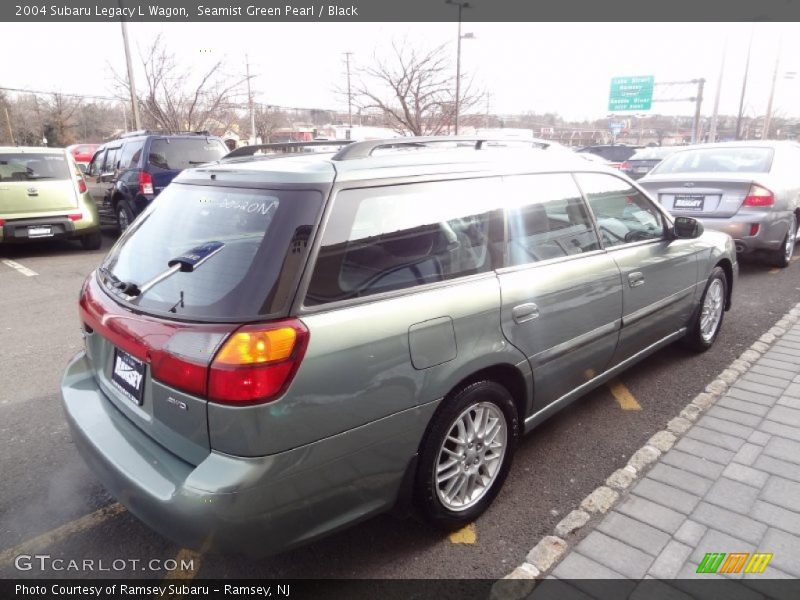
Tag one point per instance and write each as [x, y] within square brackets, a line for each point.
[460, 6]
[349, 93]
[250, 102]
[744, 85]
[768, 117]
[712, 135]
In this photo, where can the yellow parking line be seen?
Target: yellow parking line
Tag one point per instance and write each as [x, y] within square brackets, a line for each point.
[56, 535]
[623, 396]
[465, 535]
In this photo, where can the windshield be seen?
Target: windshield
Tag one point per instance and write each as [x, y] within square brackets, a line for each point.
[718, 160]
[176, 154]
[264, 236]
[655, 153]
[31, 167]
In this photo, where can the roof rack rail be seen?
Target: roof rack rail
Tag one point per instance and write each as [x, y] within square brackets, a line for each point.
[365, 149]
[285, 147]
[139, 132]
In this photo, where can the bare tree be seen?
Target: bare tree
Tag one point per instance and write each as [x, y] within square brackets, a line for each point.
[268, 120]
[415, 90]
[173, 100]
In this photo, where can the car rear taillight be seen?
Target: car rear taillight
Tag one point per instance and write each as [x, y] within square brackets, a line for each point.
[759, 196]
[75, 217]
[2, 222]
[754, 227]
[257, 362]
[82, 186]
[145, 183]
[626, 166]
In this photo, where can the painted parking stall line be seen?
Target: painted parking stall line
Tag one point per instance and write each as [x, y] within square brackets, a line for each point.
[19, 268]
[44, 540]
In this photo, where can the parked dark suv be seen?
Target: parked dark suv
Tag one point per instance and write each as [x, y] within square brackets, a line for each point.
[126, 174]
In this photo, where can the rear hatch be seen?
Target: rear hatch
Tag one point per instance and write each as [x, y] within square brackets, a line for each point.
[151, 352]
[36, 184]
[169, 156]
[708, 182]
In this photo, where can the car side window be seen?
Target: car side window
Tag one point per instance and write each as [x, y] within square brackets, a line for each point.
[547, 218]
[623, 214]
[112, 160]
[96, 166]
[398, 237]
[130, 155]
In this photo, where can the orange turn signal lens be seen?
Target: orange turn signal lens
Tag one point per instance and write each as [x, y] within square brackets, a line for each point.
[254, 347]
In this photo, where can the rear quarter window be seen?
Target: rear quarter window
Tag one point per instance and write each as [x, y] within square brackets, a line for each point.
[398, 237]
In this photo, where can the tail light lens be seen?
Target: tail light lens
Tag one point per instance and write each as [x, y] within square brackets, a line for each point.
[754, 227]
[82, 186]
[145, 183]
[2, 222]
[759, 196]
[75, 217]
[626, 166]
[257, 362]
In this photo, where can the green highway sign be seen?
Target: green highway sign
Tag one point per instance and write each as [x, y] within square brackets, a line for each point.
[631, 93]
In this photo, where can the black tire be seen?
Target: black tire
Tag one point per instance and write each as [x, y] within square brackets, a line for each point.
[782, 257]
[125, 215]
[93, 241]
[694, 339]
[425, 489]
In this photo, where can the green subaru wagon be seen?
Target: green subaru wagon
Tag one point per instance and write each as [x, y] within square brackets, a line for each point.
[44, 196]
[282, 346]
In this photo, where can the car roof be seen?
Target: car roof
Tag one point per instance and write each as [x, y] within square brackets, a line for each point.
[395, 163]
[30, 150]
[743, 144]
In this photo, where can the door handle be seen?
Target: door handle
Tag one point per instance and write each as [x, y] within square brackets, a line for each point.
[636, 279]
[525, 312]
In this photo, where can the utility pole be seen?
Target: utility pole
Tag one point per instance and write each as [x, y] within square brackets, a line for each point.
[349, 92]
[698, 102]
[712, 134]
[137, 122]
[768, 116]
[744, 85]
[250, 102]
[461, 6]
[8, 122]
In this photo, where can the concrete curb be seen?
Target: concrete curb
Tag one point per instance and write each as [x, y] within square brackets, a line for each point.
[552, 548]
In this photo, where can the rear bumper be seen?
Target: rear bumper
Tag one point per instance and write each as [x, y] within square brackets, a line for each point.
[19, 230]
[255, 506]
[772, 228]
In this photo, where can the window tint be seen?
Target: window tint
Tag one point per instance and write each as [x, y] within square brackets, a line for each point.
[547, 218]
[112, 158]
[130, 155]
[182, 153]
[265, 235]
[623, 213]
[391, 238]
[96, 166]
[33, 167]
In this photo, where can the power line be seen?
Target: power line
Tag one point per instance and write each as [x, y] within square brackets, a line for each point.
[50, 93]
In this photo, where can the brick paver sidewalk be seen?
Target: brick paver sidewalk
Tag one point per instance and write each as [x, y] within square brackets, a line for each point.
[731, 484]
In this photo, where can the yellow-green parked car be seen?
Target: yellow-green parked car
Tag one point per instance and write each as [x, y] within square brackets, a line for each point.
[44, 196]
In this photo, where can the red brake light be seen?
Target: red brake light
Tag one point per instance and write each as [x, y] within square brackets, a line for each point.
[82, 186]
[2, 222]
[145, 183]
[257, 362]
[75, 217]
[759, 196]
[625, 166]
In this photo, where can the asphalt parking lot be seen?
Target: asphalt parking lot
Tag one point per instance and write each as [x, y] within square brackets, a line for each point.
[51, 503]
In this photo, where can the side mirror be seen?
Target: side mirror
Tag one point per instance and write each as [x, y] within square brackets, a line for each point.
[687, 228]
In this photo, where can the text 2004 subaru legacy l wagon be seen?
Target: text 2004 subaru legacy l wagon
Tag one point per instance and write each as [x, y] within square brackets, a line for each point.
[280, 347]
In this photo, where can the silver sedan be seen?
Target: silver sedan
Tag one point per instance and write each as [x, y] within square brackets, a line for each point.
[749, 190]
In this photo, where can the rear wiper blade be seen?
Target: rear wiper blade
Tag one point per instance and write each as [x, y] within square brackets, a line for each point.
[185, 263]
[126, 287]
